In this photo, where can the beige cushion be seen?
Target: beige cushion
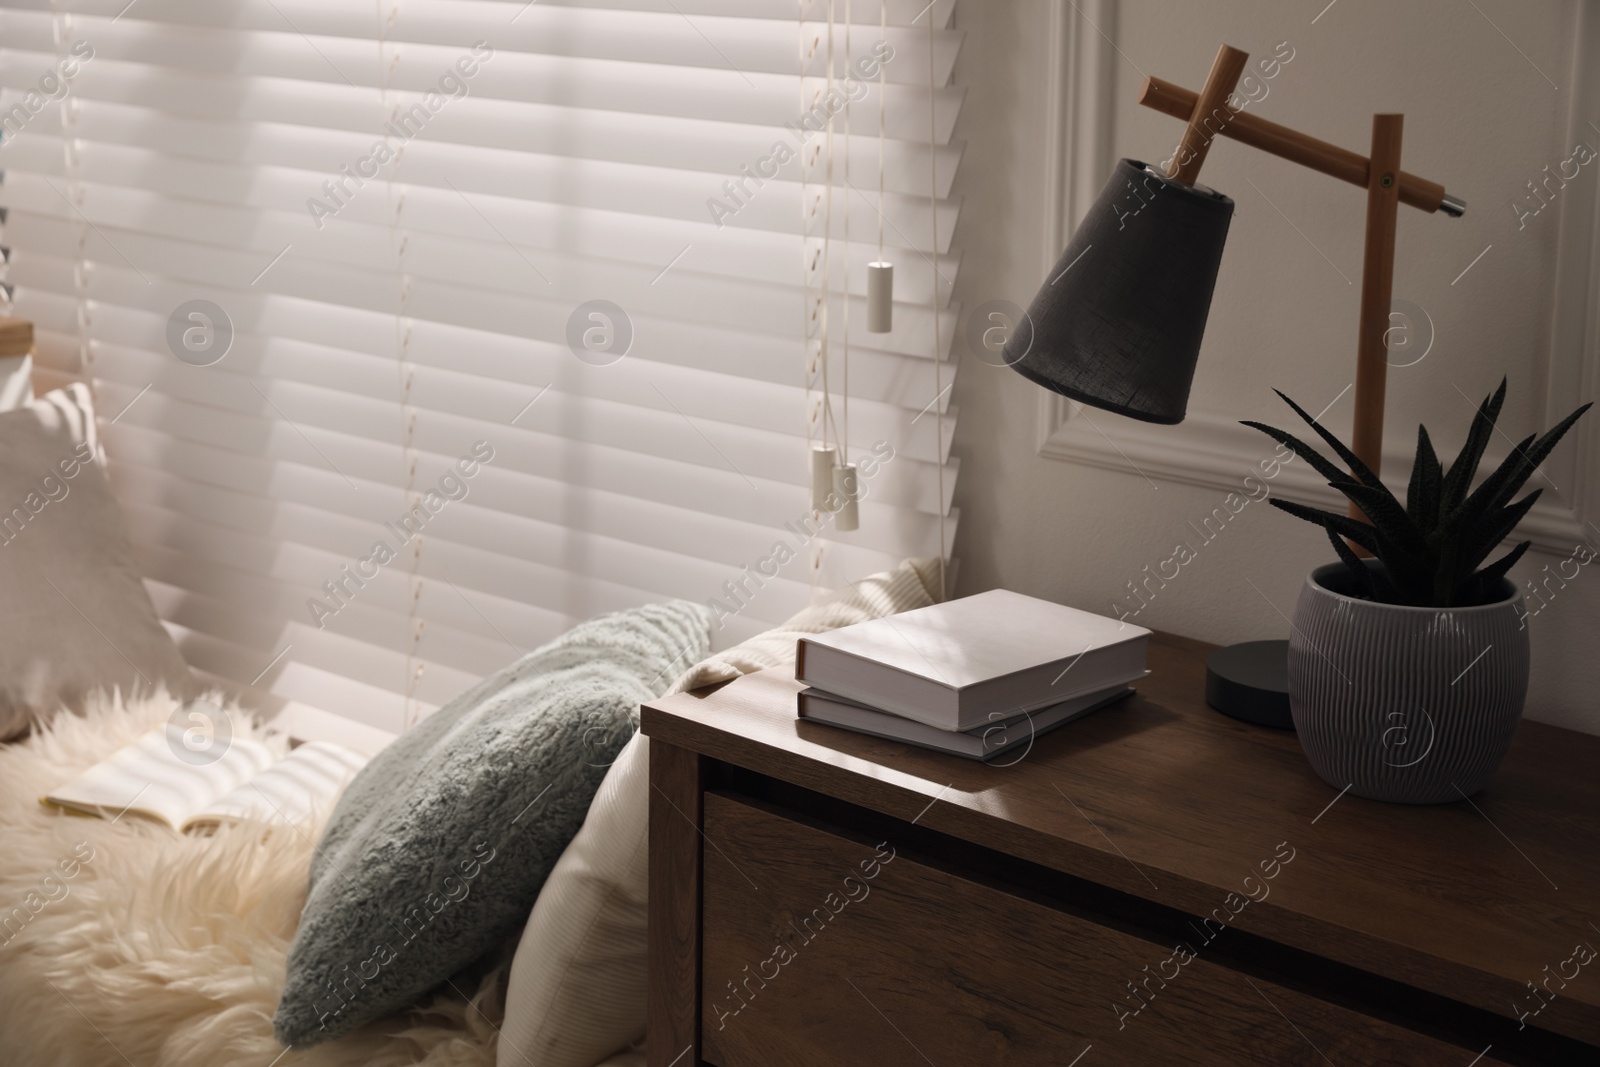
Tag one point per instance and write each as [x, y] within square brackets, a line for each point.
[74, 614]
[16, 382]
[577, 987]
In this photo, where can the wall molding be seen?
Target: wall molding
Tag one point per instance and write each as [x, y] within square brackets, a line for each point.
[1212, 450]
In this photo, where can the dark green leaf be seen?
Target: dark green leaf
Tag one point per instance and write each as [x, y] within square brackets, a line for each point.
[1499, 567]
[1502, 483]
[1372, 582]
[1540, 450]
[1409, 564]
[1548, 441]
[1509, 477]
[1422, 495]
[1299, 448]
[1386, 515]
[1360, 470]
[1388, 594]
[1355, 530]
[1352, 563]
[1450, 579]
[1465, 466]
[1496, 528]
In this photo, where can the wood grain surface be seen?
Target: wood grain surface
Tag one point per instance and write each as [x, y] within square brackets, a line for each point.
[16, 336]
[810, 962]
[673, 937]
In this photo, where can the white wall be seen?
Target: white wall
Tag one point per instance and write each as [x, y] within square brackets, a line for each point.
[1480, 117]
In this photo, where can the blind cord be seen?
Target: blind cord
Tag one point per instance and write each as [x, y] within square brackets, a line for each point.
[399, 243]
[61, 29]
[830, 427]
[811, 270]
[938, 347]
[883, 94]
[844, 435]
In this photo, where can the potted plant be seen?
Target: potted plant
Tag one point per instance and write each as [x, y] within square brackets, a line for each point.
[1408, 670]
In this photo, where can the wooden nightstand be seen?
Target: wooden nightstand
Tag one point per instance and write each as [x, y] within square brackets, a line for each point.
[1153, 884]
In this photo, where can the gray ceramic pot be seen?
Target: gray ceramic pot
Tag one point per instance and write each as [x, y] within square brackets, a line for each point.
[1409, 705]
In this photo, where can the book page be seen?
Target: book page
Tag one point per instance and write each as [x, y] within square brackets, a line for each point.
[148, 779]
[290, 791]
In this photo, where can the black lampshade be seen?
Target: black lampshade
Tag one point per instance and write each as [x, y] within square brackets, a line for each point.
[1119, 321]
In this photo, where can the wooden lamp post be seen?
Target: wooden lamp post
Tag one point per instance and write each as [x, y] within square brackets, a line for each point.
[1207, 115]
[1119, 323]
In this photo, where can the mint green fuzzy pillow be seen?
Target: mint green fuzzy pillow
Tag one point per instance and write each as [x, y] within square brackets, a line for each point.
[438, 848]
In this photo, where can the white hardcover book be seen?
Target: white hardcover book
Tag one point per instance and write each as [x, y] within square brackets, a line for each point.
[982, 742]
[954, 664]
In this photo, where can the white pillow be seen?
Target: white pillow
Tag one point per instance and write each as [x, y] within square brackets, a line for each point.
[577, 987]
[77, 616]
[16, 382]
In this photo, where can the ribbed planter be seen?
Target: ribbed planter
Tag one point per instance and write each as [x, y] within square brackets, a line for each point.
[1408, 705]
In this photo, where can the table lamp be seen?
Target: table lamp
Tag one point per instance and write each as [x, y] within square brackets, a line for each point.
[1121, 329]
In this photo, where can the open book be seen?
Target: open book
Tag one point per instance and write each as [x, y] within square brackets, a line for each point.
[247, 782]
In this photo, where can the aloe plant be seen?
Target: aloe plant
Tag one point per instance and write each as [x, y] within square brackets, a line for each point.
[1430, 548]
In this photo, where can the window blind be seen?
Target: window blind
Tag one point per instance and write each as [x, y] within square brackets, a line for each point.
[422, 330]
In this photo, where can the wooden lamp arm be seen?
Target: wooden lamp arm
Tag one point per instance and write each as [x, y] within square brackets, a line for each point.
[1330, 159]
[1210, 104]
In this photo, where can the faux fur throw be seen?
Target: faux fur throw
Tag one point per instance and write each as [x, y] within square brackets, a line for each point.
[125, 942]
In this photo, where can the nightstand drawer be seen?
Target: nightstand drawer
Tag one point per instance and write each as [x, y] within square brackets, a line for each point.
[820, 950]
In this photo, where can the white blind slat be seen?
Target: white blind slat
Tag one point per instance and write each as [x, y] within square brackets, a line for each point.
[342, 33]
[539, 307]
[455, 170]
[452, 236]
[247, 73]
[214, 444]
[307, 131]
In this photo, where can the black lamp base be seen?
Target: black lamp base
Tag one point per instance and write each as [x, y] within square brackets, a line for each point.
[1250, 682]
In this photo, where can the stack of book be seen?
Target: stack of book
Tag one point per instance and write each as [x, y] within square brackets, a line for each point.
[977, 677]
